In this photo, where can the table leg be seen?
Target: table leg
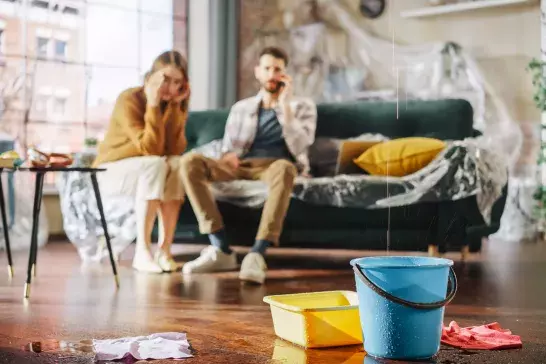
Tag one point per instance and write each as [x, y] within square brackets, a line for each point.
[11, 199]
[31, 269]
[104, 226]
[41, 189]
[5, 226]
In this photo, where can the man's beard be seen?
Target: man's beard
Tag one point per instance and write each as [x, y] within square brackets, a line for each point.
[270, 88]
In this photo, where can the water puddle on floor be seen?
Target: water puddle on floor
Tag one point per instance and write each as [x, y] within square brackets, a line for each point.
[285, 352]
[82, 346]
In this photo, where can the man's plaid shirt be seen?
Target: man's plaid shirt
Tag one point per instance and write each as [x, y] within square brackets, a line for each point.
[299, 133]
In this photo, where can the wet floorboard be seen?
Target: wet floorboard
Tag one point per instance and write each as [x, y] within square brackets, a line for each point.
[227, 322]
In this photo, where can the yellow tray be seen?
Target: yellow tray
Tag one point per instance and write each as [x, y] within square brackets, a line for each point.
[318, 319]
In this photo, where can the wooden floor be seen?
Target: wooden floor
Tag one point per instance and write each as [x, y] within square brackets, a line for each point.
[227, 322]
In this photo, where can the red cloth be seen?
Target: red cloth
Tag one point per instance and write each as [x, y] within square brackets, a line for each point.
[485, 337]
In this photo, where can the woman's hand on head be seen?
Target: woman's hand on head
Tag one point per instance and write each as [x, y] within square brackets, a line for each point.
[152, 87]
[184, 95]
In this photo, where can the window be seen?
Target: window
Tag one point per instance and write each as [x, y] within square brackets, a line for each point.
[60, 49]
[81, 56]
[40, 104]
[70, 10]
[59, 105]
[40, 4]
[42, 45]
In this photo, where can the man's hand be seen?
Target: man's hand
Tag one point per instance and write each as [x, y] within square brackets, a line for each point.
[285, 96]
[285, 93]
[152, 86]
[231, 159]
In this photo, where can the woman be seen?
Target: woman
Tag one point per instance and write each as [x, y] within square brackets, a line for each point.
[141, 152]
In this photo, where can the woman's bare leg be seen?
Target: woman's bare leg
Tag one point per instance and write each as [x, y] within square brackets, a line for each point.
[168, 217]
[146, 213]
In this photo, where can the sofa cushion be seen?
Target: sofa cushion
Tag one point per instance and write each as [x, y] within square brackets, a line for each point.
[399, 157]
[324, 153]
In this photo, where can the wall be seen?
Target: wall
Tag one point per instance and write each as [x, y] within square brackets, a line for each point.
[503, 40]
[180, 36]
[254, 15]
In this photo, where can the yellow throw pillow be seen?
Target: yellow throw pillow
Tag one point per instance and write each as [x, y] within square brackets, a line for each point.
[399, 157]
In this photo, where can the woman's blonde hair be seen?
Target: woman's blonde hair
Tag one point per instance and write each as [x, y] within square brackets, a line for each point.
[170, 58]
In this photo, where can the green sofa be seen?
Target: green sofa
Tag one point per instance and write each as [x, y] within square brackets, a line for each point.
[449, 225]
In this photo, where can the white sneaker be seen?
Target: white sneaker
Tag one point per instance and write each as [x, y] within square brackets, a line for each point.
[211, 260]
[166, 262]
[253, 268]
[144, 262]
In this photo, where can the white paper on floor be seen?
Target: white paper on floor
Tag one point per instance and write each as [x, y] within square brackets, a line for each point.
[167, 345]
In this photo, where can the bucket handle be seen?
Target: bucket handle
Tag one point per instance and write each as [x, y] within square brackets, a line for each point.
[422, 306]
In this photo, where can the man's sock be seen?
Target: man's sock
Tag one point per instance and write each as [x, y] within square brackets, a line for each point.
[260, 246]
[218, 239]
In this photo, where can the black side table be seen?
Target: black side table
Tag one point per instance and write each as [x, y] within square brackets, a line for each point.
[40, 174]
[5, 225]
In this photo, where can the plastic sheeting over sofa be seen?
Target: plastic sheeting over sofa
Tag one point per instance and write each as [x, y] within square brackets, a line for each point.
[463, 169]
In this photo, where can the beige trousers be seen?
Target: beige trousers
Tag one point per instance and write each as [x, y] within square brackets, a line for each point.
[146, 178]
[198, 171]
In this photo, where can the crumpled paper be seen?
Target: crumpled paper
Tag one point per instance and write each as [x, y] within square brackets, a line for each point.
[167, 345]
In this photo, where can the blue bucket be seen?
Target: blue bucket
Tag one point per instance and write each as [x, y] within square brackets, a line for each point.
[401, 304]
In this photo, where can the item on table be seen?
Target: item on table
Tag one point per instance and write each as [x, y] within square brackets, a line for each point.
[10, 154]
[485, 337]
[10, 159]
[84, 158]
[60, 160]
[39, 159]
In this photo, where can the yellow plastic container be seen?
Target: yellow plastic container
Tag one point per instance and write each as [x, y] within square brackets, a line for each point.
[318, 319]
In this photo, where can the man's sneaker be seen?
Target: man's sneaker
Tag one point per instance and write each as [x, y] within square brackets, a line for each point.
[211, 260]
[253, 268]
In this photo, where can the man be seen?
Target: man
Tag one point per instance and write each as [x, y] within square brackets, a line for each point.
[267, 138]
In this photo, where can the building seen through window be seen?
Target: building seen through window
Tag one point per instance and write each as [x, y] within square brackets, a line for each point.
[60, 49]
[76, 57]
